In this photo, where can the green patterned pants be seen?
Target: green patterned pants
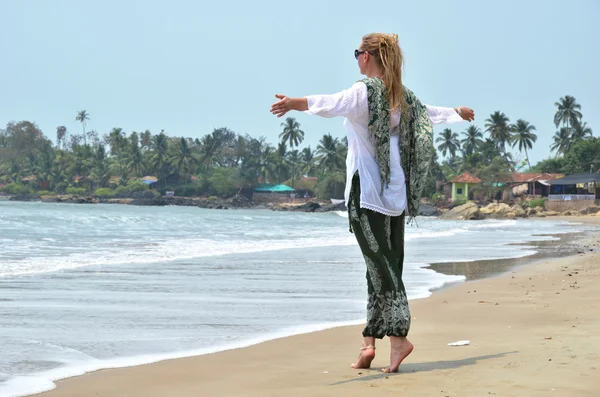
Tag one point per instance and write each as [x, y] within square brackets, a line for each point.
[381, 240]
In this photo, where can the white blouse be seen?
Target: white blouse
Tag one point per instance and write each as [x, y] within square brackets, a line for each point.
[354, 106]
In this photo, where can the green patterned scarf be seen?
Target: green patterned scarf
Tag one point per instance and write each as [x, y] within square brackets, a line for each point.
[416, 140]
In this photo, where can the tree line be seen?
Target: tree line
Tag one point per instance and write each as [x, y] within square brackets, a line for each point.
[224, 162]
[486, 153]
[220, 163]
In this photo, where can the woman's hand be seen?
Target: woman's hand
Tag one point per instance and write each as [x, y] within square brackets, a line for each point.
[284, 105]
[467, 113]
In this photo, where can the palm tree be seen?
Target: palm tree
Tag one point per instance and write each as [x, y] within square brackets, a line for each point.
[294, 160]
[328, 153]
[82, 160]
[291, 132]
[134, 139]
[562, 141]
[82, 116]
[448, 142]
[32, 164]
[45, 163]
[308, 160]
[158, 159]
[58, 176]
[281, 166]
[342, 148]
[210, 151]
[183, 160]
[568, 112]
[100, 169]
[580, 131]
[136, 161]
[116, 140]
[266, 171]
[240, 148]
[61, 132]
[119, 166]
[499, 129]
[15, 171]
[473, 140]
[146, 139]
[250, 160]
[524, 136]
[454, 163]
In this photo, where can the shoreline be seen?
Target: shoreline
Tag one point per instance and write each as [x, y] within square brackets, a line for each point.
[469, 211]
[529, 261]
[566, 245]
[231, 203]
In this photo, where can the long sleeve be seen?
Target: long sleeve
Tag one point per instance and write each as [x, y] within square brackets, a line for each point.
[351, 103]
[442, 115]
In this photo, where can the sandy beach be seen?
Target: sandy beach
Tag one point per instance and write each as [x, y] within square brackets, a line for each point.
[533, 331]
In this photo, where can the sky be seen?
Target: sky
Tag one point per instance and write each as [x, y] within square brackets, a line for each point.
[189, 67]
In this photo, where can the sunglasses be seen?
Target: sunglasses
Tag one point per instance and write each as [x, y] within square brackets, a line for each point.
[357, 53]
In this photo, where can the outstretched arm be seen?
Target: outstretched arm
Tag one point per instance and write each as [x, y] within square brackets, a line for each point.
[351, 103]
[465, 112]
[285, 104]
[443, 115]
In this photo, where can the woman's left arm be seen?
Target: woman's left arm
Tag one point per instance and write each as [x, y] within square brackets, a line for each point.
[443, 115]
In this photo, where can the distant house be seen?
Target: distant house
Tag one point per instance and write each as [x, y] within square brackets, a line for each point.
[312, 179]
[570, 186]
[149, 179]
[83, 181]
[460, 185]
[272, 193]
[266, 188]
[114, 180]
[532, 184]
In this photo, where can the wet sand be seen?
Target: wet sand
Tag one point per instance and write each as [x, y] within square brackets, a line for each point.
[567, 244]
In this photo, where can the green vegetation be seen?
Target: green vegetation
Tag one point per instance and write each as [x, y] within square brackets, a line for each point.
[224, 163]
[460, 201]
[104, 192]
[221, 163]
[78, 191]
[16, 188]
[437, 198]
[487, 157]
[537, 203]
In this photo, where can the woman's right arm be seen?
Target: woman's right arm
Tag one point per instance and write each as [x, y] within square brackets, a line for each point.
[286, 104]
[350, 103]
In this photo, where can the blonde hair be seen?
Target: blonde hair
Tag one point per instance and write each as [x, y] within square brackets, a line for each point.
[385, 49]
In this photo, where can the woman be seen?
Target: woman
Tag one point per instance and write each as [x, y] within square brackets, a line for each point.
[389, 149]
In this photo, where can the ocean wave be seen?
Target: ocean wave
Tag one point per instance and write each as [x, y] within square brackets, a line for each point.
[233, 233]
[433, 234]
[17, 386]
[164, 251]
[494, 224]
[77, 363]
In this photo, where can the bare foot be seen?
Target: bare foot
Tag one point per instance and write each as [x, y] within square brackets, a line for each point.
[367, 354]
[401, 348]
